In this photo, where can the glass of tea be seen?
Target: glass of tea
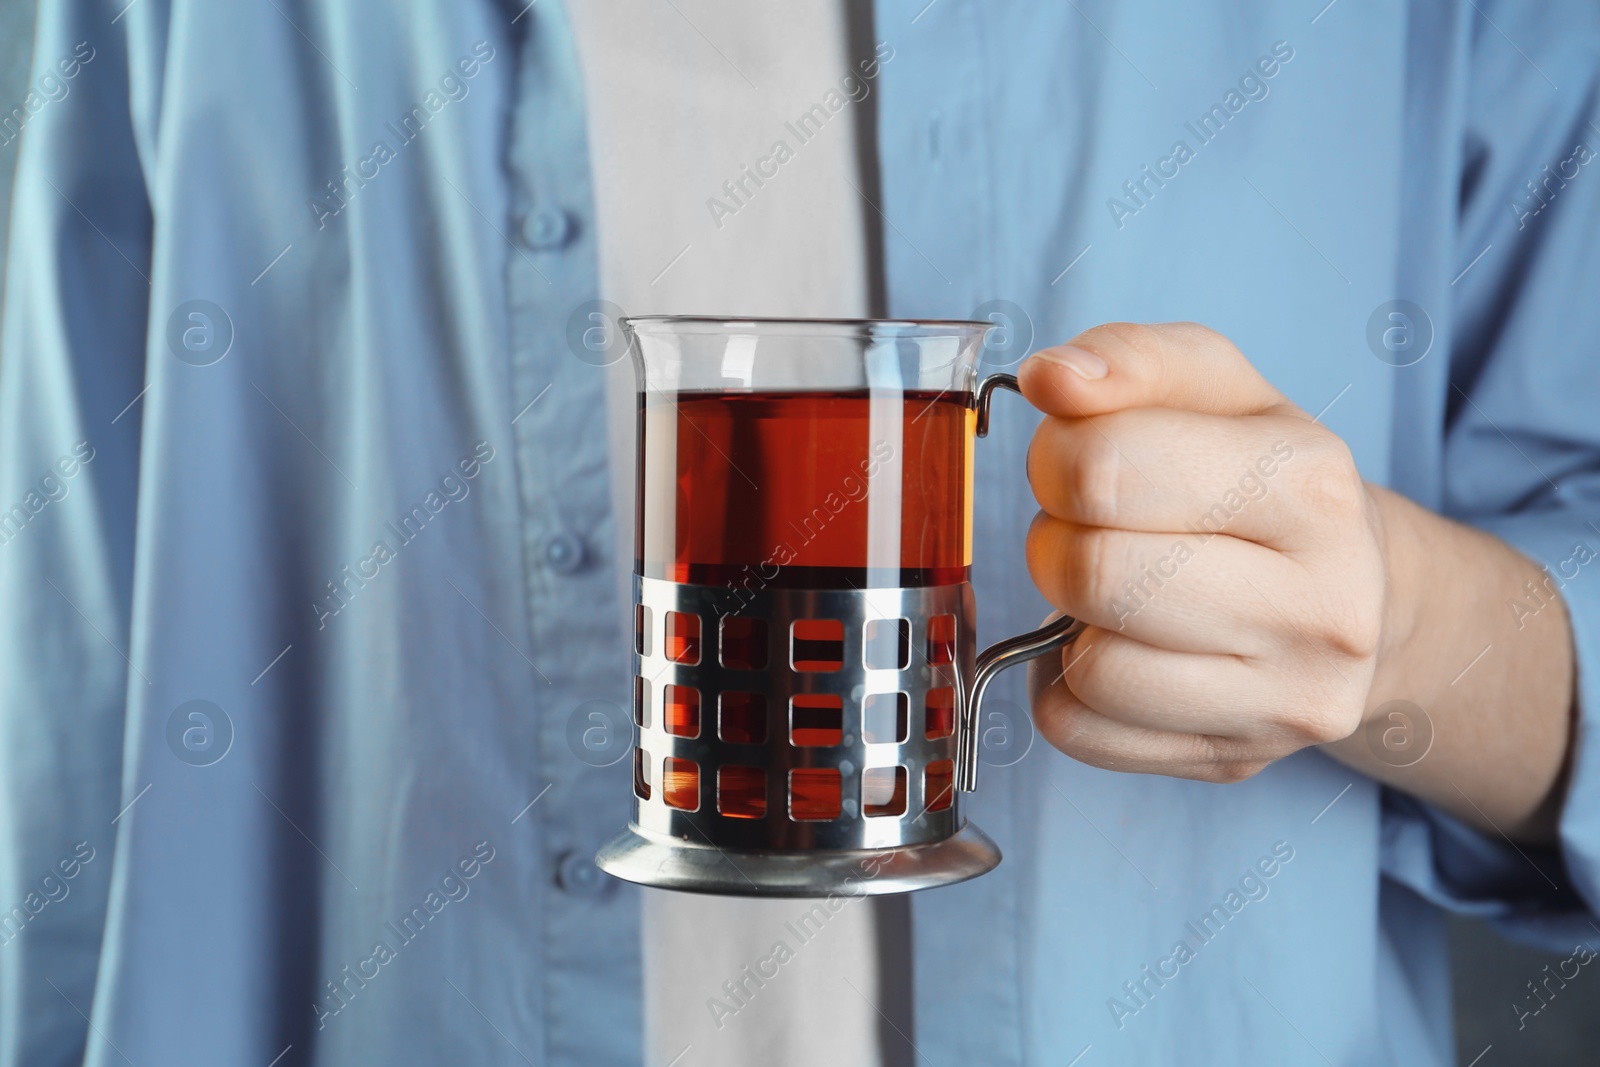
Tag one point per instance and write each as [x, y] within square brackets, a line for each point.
[806, 679]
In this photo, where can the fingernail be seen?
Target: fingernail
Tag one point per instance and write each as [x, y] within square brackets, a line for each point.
[1080, 361]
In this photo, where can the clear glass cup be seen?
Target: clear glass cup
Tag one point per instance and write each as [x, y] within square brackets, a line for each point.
[806, 674]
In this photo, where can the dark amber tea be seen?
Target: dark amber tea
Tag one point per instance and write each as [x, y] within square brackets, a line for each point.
[806, 490]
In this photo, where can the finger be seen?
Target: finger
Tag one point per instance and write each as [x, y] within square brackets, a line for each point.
[1270, 479]
[1178, 593]
[1170, 365]
[1086, 735]
[1181, 692]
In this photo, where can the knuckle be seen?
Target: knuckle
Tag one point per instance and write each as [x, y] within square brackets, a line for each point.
[1324, 728]
[1052, 466]
[1235, 771]
[1350, 628]
[1046, 557]
[1087, 583]
[1198, 330]
[1329, 482]
[1224, 761]
[1037, 464]
[1231, 768]
[1313, 723]
[1097, 482]
[1120, 337]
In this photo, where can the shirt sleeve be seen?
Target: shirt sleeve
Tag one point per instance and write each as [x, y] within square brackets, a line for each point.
[1521, 455]
[72, 366]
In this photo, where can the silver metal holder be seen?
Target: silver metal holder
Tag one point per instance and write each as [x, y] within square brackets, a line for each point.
[639, 856]
[860, 696]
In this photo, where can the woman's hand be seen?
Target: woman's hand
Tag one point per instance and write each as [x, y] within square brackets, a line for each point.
[1220, 544]
[1248, 595]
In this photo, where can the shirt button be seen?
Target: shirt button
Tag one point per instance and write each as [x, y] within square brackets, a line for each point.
[563, 553]
[547, 229]
[577, 874]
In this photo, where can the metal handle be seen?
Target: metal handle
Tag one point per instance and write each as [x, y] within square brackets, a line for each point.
[1002, 654]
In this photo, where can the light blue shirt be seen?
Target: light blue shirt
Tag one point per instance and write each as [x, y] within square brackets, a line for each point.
[361, 515]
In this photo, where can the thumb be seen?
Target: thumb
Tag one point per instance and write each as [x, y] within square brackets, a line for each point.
[1124, 365]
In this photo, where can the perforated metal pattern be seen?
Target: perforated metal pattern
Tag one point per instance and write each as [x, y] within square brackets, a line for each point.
[779, 681]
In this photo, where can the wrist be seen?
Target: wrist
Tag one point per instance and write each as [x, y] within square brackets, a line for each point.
[1495, 701]
[1405, 570]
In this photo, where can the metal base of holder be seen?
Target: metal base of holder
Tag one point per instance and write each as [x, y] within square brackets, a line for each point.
[666, 863]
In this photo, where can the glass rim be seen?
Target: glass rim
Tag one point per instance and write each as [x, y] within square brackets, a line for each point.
[729, 323]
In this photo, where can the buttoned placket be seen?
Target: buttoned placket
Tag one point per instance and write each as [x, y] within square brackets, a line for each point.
[589, 950]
